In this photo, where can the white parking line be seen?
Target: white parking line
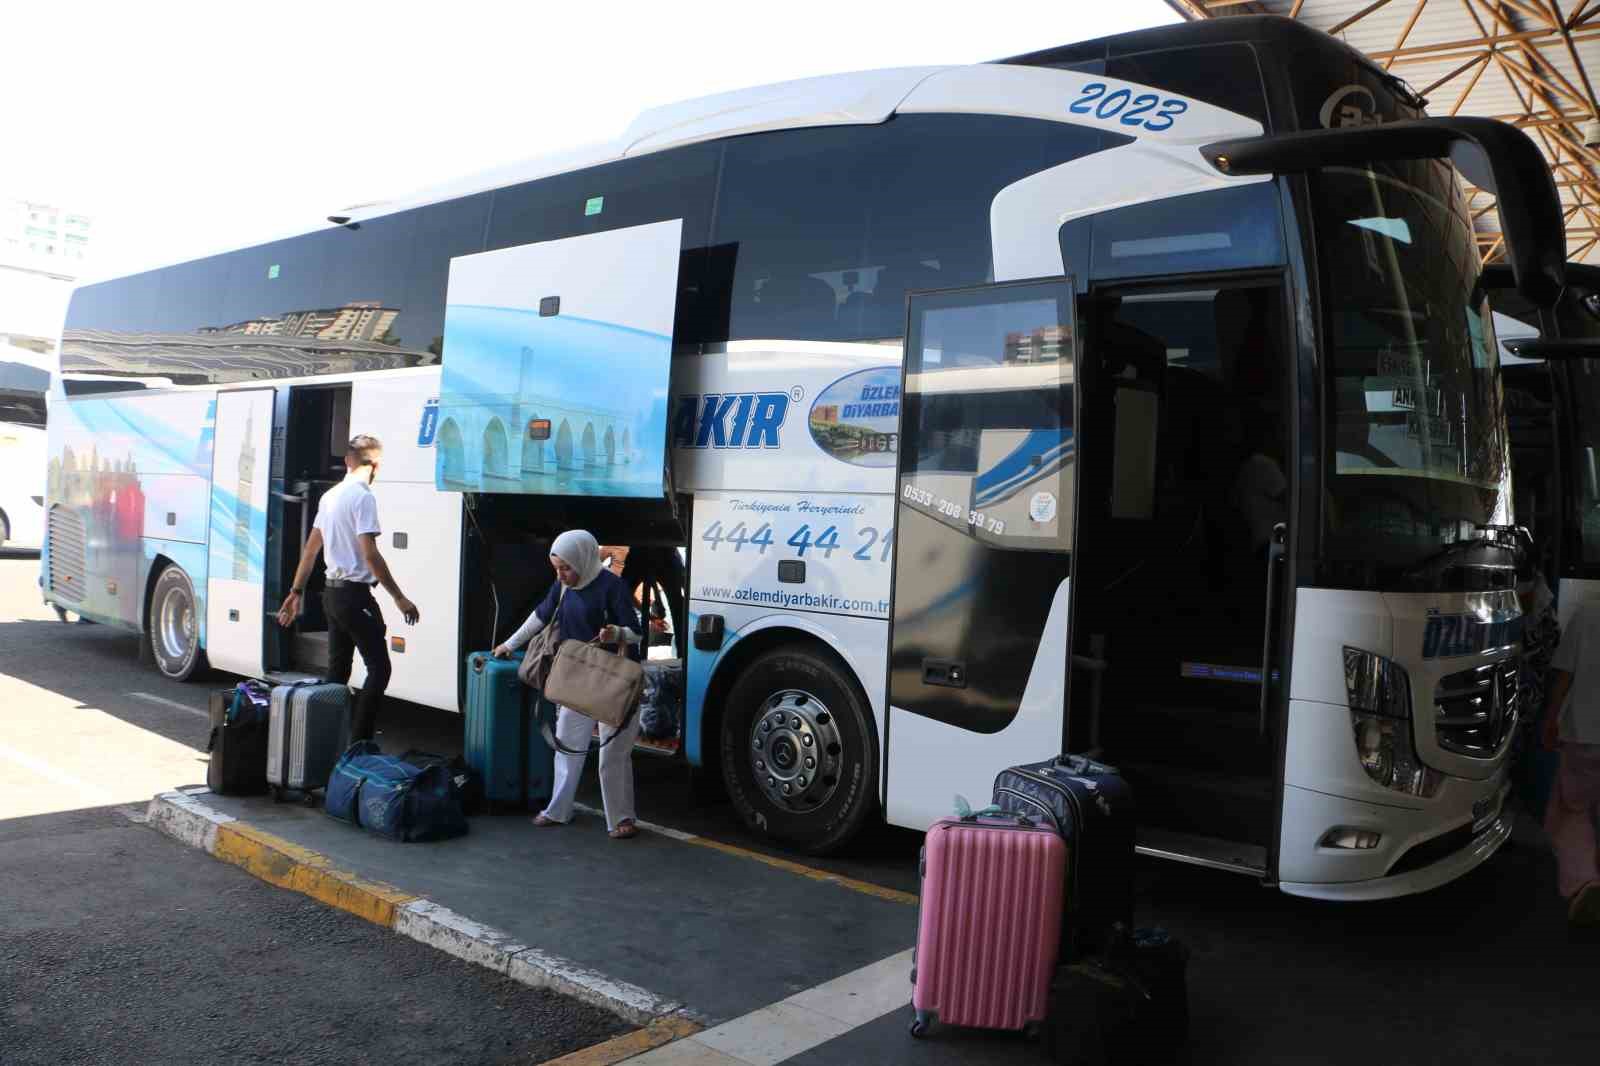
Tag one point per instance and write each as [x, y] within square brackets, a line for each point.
[89, 793]
[174, 704]
[803, 1021]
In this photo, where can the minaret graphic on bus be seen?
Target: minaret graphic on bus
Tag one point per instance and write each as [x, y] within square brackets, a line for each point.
[241, 503]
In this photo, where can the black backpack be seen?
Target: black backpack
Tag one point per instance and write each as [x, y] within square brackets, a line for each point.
[467, 782]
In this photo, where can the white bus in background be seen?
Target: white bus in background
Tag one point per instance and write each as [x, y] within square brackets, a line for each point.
[24, 384]
[915, 366]
[1553, 399]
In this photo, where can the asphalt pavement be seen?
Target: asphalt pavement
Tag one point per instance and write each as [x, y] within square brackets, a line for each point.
[119, 945]
[1482, 970]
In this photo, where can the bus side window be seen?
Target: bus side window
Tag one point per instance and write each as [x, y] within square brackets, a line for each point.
[1133, 473]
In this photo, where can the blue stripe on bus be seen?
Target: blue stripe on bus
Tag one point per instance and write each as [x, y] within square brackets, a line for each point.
[1036, 443]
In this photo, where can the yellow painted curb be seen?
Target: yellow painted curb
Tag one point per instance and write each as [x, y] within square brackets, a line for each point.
[866, 888]
[288, 865]
[626, 1046]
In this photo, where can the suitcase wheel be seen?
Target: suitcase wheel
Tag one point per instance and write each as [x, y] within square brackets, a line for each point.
[277, 794]
[919, 1025]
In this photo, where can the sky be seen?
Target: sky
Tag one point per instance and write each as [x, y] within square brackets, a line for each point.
[185, 128]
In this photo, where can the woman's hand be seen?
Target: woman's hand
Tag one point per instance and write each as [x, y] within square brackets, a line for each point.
[609, 635]
[503, 651]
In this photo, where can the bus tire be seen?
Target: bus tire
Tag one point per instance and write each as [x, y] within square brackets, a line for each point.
[173, 625]
[799, 753]
[5, 530]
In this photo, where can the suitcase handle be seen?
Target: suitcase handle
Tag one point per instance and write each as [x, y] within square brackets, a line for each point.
[477, 664]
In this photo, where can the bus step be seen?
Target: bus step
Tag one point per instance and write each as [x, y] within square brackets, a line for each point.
[1229, 855]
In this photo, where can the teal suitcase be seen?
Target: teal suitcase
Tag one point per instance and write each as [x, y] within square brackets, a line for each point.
[496, 732]
[540, 763]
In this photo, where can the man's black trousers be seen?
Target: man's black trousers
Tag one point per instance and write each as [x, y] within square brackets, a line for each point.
[355, 623]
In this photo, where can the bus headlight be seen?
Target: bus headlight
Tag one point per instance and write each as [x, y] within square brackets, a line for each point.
[1379, 692]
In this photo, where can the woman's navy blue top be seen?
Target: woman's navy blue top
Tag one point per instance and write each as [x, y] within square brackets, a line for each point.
[602, 602]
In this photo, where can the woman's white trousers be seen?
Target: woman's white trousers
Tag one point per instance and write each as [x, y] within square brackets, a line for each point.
[574, 730]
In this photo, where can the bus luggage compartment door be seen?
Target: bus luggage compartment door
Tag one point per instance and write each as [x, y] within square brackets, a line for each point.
[983, 533]
[556, 363]
[235, 576]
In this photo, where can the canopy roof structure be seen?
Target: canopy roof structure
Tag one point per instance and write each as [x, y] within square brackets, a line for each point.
[1526, 62]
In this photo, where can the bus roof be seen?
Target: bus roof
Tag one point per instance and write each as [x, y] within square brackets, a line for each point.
[856, 98]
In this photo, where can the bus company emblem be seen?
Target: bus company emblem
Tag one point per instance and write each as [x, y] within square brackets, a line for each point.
[1449, 636]
[430, 424]
[857, 419]
[1350, 105]
[730, 420]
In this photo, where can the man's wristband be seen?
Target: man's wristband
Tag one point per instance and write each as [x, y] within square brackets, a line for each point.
[298, 591]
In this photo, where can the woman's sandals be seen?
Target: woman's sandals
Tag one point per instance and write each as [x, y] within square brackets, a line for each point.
[624, 830]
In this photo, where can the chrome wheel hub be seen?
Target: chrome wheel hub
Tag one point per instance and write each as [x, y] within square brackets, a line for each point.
[175, 624]
[796, 750]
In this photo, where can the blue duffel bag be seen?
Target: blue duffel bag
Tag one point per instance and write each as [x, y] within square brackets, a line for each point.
[393, 798]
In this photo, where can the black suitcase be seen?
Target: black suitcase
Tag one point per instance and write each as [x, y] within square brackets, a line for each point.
[238, 750]
[1129, 1007]
[1091, 806]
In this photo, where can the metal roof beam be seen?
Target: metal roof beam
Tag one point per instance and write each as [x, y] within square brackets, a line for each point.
[1411, 22]
[1358, 16]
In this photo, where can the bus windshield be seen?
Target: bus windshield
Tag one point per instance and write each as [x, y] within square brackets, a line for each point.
[1419, 453]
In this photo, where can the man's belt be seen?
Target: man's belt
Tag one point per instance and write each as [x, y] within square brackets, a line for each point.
[345, 582]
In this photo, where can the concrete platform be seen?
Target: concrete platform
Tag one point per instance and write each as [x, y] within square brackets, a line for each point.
[721, 933]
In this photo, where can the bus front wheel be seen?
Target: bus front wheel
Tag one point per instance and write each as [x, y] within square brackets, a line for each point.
[173, 626]
[799, 755]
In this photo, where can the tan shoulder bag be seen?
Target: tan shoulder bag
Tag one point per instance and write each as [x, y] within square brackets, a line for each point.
[542, 649]
[603, 685]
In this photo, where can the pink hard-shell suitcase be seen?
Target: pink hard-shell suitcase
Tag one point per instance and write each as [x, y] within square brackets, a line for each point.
[989, 928]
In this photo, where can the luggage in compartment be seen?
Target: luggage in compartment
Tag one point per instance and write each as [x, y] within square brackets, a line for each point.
[238, 743]
[989, 923]
[309, 728]
[1091, 805]
[661, 708]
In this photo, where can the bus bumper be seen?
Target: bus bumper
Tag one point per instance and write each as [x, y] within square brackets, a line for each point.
[1414, 855]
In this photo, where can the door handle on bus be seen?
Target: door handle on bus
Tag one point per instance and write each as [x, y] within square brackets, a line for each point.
[1274, 557]
[947, 672]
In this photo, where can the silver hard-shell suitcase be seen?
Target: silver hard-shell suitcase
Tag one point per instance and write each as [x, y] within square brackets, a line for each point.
[308, 730]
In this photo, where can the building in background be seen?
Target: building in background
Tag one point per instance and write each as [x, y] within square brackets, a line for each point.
[43, 236]
[358, 320]
[44, 249]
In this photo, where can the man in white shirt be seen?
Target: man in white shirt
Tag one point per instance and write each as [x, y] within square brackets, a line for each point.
[1572, 720]
[347, 530]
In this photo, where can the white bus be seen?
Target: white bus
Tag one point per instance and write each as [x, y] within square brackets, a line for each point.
[915, 366]
[23, 387]
[1553, 402]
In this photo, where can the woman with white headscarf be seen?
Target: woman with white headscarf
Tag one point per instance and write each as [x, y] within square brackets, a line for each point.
[593, 604]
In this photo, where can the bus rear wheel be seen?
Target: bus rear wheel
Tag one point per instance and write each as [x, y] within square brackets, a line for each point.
[799, 755]
[173, 625]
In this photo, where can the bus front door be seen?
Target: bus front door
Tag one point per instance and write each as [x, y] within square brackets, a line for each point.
[235, 575]
[984, 532]
[1177, 586]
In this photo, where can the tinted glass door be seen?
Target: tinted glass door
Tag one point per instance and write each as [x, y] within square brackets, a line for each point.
[984, 533]
[1183, 397]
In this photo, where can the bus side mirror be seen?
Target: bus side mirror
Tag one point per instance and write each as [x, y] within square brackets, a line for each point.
[1496, 157]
